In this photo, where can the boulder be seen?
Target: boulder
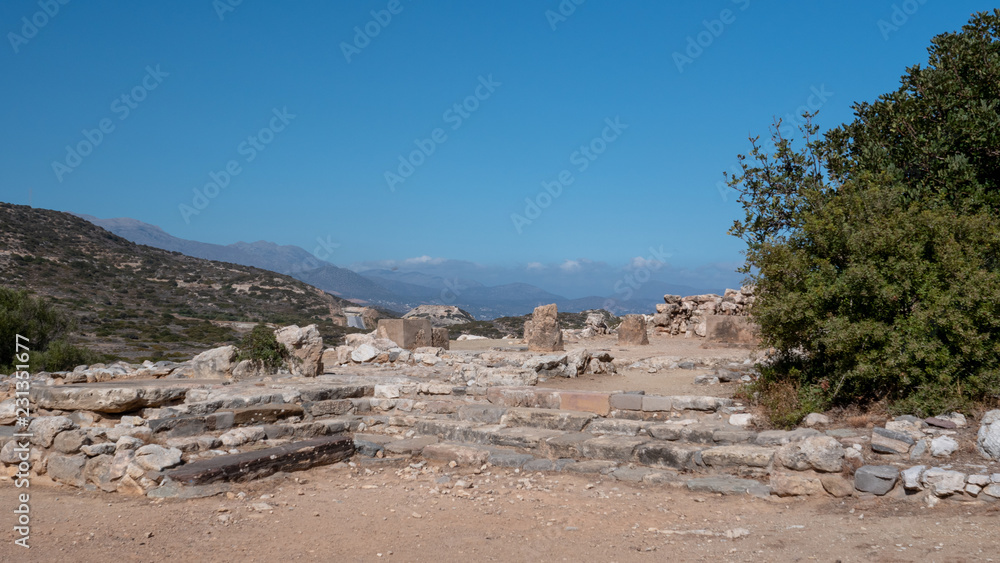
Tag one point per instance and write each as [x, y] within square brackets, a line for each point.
[911, 477]
[66, 469]
[44, 429]
[596, 323]
[8, 412]
[886, 441]
[576, 362]
[545, 334]
[816, 419]
[785, 485]
[836, 485]
[97, 470]
[214, 363]
[988, 439]
[943, 446]
[364, 353]
[943, 482]
[875, 479]
[70, 441]
[306, 347]
[153, 457]
[822, 453]
[632, 331]
[249, 369]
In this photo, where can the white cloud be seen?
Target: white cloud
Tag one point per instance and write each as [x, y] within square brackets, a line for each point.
[535, 266]
[648, 263]
[425, 260]
[570, 266]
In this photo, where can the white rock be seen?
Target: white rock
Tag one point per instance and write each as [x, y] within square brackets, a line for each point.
[980, 480]
[988, 439]
[217, 362]
[911, 477]
[742, 420]
[956, 417]
[943, 482]
[153, 457]
[364, 353]
[239, 436]
[387, 391]
[816, 419]
[943, 446]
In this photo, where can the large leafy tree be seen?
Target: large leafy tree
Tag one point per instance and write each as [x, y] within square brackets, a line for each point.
[875, 248]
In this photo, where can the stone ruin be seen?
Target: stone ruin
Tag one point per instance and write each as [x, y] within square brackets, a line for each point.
[189, 429]
[709, 315]
[632, 331]
[542, 332]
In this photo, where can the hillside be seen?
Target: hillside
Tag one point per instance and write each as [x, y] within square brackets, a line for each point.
[285, 259]
[138, 301]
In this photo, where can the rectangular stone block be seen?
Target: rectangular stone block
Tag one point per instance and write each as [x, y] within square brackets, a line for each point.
[597, 403]
[261, 463]
[332, 406]
[730, 329]
[567, 445]
[653, 403]
[665, 454]
[526, 438]
[626, 401]
[406, 333]
[552, 419]
[613, 448]
[523, 397]
[487, 414]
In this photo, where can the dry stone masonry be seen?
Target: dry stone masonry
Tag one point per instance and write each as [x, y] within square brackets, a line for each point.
[690, 316]
[168, 430]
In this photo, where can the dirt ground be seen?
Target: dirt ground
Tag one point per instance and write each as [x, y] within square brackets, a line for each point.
[340, 513]
[663, 382]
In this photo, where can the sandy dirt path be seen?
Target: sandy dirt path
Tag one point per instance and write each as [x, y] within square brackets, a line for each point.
[342, 514]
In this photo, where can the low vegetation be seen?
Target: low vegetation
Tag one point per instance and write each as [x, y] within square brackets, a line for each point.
[262, 348]
[46, 330]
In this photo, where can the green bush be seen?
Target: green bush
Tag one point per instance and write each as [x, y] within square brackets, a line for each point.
[63, 356]
[32, 317]
[261, 347]
[876, 248]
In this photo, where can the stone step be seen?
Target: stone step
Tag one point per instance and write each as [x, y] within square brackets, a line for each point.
[645, 450]
[552, 419]
[183, 426]
[294, 456]
[616, 405]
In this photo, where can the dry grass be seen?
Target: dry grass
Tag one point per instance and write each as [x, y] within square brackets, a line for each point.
[857, 417]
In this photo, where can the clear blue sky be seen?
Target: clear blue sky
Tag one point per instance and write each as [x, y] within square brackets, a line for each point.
[322, 175]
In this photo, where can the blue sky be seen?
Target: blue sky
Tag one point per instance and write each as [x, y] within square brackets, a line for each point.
[203, 78]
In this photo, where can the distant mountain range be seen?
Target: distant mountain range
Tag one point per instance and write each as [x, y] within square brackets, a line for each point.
[394, 290]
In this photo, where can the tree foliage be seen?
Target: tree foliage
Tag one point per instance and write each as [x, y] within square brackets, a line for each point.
[31, 317]
[875, 248]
